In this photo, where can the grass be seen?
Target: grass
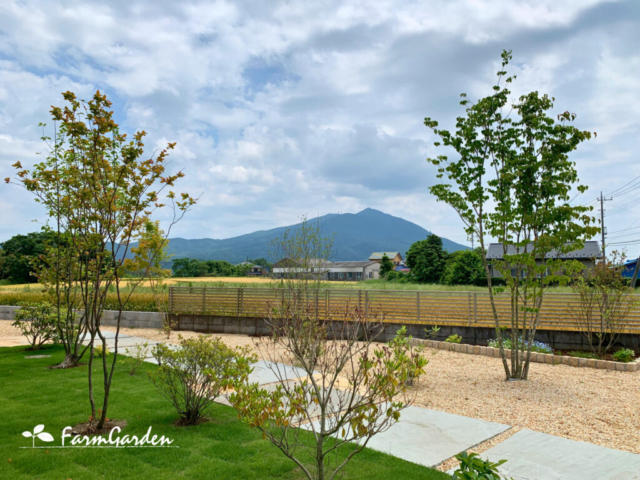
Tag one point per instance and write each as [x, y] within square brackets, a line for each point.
[224, 448]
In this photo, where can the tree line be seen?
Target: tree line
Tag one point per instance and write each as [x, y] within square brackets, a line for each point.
[191, 267]
[430, 263]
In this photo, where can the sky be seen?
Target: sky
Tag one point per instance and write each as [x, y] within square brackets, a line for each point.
[281, 109]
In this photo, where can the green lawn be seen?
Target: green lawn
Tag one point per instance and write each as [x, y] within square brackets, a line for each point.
[31, 394]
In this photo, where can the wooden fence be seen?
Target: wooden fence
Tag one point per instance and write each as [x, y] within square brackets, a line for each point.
[464, 309]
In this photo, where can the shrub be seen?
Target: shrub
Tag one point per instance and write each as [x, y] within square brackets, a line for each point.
[624, 355]
[454, 339]
[192, 376]
[98, 353]
[37, 322]
[401, 345]
[135, 356]
[538, 347]
[473, 467]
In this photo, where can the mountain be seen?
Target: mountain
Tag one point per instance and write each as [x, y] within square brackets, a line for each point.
[357, 235]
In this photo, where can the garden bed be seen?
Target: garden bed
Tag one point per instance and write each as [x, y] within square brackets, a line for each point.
[550, 358]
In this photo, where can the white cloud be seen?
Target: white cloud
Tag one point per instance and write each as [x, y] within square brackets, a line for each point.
[312, 107]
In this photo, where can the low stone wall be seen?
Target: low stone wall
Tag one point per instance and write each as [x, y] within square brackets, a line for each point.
[110, 318]
[535, 357]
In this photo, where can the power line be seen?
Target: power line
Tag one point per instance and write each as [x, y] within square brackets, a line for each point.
[622, 187]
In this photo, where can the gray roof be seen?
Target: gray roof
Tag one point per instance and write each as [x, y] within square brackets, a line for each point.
[590, 250]
[349, 264]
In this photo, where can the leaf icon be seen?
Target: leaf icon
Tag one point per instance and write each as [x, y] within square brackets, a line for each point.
[38, 429]
[26, 434]
[45, 437]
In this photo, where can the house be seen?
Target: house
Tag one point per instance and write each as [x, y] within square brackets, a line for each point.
[257, 271]
[326, 270]
[395, 257]
[629, 268]
[353, 271]
[402, 269]
[587, 255]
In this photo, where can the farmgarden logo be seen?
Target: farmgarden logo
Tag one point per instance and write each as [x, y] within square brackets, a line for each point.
[113, 440]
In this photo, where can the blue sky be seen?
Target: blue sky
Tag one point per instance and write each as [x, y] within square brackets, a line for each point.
[311, 107]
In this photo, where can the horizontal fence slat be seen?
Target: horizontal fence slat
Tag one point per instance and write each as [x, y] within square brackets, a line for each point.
[558, 310]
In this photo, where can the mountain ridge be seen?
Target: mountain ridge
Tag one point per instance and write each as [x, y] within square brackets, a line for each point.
[357, 235]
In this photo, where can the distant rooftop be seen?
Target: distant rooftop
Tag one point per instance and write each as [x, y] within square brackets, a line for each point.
[590, 250]
[379, 255]
[349, 264]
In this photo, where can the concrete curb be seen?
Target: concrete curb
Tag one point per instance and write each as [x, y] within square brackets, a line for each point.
[535, 357]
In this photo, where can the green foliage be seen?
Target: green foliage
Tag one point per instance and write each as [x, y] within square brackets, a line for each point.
[580, 354]
[21, 256]
[386, 265]
[454, 339]
[511, 179]
[464, 267]
[37, 322]
[191, 267]
[427, 260]
[98, 352]
[473, 467]
[193, 376]
[624, 355]
[412, 358]
[431, 332]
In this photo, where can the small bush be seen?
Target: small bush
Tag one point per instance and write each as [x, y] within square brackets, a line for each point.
[454, 339]
[404, 352]
[473, 467]
[98, 353]
[192, 376]
[624, 355]
[135, 356]
[538, 347]
[37, 322]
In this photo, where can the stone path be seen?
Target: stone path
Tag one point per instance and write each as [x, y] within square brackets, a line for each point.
[538, 456]
[429, 437]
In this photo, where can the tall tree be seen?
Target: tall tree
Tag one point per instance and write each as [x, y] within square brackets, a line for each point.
[511, 180]
[464, 267]
[427, 259]
[101, 192]
[22, 256]
[386, 265]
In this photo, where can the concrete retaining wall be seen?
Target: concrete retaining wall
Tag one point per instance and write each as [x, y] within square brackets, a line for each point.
[110, 317]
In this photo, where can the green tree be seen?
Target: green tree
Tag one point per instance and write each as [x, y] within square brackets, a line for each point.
[386, 266]
[427, 259]
[464, 267]
[511, 179]
[22, 256]
[101, 192]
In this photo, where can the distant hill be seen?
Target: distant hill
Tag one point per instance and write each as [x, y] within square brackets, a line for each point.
[357, 235]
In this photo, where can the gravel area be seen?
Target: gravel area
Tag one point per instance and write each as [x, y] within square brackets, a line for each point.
[6, 330]
[584, 404]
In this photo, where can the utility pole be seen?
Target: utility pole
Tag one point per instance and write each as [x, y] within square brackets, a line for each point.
[602, 200]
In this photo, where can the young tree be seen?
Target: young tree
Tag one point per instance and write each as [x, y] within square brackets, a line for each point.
[101, 192]
[386, 265]
[350, 391]
[427, 259]
[511, 180]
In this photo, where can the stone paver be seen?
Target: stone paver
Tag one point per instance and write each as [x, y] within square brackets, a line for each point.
[429, 437]
[538, 456]
[265, 372]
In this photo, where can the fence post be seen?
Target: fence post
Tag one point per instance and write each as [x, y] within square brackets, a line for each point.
[475, 308]
[317, 298]
[418, 304]
[204, 300]
[366, 303]
[239, 302]
[170, 299]
[469, 308]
